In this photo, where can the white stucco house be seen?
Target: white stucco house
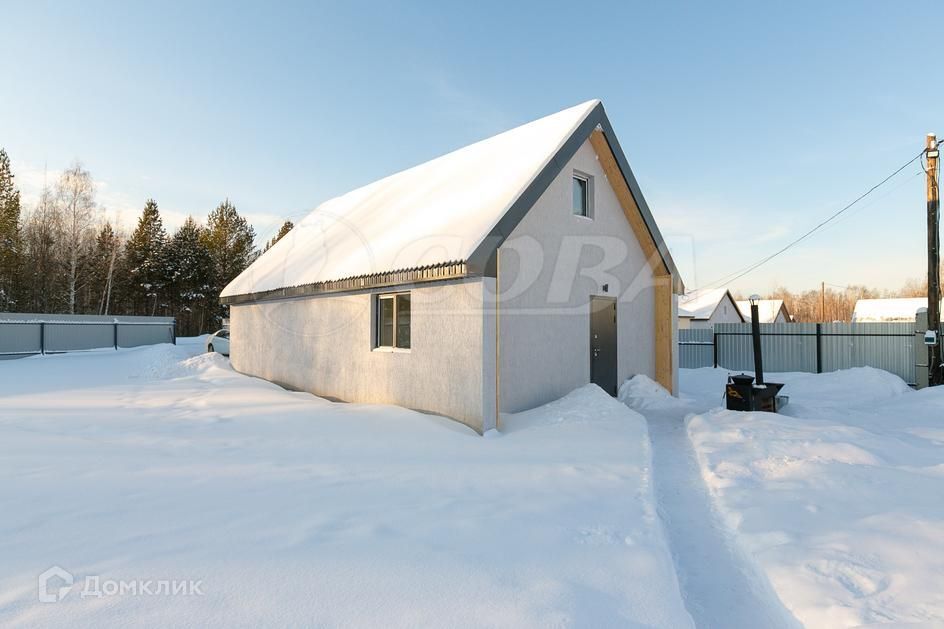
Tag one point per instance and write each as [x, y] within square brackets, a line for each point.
[703, 309]
[768, 310]
[492, 279]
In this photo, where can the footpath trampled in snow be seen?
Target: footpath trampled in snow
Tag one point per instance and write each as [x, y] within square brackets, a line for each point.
[839, 500]
[722, 587]
[154, 464]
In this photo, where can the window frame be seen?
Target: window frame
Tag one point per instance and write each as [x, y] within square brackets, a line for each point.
[394, 298]
[588, 194]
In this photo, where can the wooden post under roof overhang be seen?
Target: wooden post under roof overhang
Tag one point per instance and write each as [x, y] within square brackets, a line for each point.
[664, 285]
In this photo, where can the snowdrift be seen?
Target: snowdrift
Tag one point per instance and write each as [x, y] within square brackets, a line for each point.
[163, 463]
[839, 499]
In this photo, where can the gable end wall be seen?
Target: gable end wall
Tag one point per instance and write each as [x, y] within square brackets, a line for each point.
[545, 323]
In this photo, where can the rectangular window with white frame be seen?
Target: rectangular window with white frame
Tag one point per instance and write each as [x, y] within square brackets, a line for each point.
[393, 321]
[582, 187]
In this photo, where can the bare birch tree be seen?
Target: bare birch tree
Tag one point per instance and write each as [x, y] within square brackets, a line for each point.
[75, 196]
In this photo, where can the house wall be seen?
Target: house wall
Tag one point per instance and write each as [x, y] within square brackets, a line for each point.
[548, 269]
[324, 345]
[726, 312]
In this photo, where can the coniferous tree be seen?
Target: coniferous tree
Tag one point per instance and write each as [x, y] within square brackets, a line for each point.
[284, 229]
[10, 241]
[230, 241]
[145, 263]
[190, 278]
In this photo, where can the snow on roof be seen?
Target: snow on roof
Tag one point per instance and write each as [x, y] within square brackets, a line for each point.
[886, 310]
[431, 214]
[767, 309]
[701, 304]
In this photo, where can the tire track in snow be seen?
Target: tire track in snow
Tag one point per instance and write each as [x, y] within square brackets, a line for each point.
[720, 587]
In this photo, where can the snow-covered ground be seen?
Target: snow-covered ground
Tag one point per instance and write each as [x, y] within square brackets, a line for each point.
[160, 464]
[839, 501]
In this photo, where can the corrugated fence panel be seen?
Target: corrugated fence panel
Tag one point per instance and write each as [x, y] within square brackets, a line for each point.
[70, 337]
[696, 348]
[134, 335]
[785, 346]
[22, 334]
[793, 347]
[24, 338]
[888, 346]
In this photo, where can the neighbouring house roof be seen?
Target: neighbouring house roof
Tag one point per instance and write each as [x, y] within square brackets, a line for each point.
[767, 309]
[702, 304]
[452, 212]
[888, 310]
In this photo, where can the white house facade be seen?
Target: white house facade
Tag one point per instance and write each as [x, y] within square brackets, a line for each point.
[705, 308]
[768, 310]
[493, 279]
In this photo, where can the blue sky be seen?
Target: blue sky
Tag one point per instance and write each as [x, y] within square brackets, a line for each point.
[745, 123]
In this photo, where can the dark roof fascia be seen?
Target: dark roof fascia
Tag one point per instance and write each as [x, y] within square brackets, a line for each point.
[482, 259]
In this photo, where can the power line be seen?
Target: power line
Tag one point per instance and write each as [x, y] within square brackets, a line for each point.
[744, 271]
[875, 199]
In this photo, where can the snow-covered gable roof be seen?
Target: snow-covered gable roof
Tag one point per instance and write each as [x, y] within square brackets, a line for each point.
[888, 310]
[447, 211]
[767, 309]
[702, 304]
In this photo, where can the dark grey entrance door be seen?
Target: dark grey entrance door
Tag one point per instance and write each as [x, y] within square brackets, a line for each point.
[603, 343]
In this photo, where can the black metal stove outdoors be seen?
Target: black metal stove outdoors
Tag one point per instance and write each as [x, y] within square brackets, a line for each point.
[752, 393]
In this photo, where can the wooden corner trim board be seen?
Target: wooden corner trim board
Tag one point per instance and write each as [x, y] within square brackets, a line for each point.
[615, 177]
[664, 322]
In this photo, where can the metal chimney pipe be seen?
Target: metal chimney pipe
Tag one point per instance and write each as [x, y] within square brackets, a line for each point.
[755, 333]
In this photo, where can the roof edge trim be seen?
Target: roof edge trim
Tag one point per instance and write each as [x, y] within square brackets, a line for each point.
[388, 279]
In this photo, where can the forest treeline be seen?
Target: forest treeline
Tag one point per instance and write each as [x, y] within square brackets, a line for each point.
[836, 303]
[63, 255]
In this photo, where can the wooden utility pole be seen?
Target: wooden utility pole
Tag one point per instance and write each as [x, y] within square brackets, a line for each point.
[935, 374]
[822, 302]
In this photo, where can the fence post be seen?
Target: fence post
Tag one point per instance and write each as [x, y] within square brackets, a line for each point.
[173, 331]
[42, 337]
[116, 336]
[819, 348]
[714, 345]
